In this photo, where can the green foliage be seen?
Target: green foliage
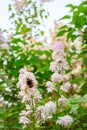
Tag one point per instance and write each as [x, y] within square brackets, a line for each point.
[77, 21]
[25, 26]
[75, 29]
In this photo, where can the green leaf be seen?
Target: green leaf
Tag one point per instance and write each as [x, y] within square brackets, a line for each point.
[61, 32]
[63, 27]
[81, 84]
[37, 22]
[9, 7]
[2, 87]
[74, 108]
[66, 17]
[12, 15]
[1, 126]
[77, 79]
[2, 72]
[81, 100]
[85, 125]
[18, 62]
[71, 6]
[2, 110]
[42, 33]
[41, 12]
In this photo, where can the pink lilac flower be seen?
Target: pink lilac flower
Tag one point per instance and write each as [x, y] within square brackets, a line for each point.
[65, 121]
[66, 87]
[50, 87]
[57, 77]
[24, 120]
[54, 66]
[50, 107]
[58, 46]
[58, 56]
[46, 112]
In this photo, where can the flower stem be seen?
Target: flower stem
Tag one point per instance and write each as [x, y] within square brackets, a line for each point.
[32, 116]
[57, 102]
[33, 119]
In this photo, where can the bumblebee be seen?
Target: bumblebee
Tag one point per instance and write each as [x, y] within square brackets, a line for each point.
[29, 83]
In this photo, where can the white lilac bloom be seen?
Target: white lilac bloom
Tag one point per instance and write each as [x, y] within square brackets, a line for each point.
[58, 46]
[57, 77]
[59, 64]
[30, 95]
[50, 107]
[58, 56]
[24, 120]
[34, 94]
[20, 5]
[24, 113]
[66, 87]
[54, 66]
[40, 114]
[62, 101]
[28, 108]
[64, 65]
[65, 121]
[46, 112]
[50, 87]
[28, 85]
[22, 70]
[58, 52]
[28, 90]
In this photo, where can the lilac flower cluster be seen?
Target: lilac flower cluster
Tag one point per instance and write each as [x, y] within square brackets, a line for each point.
[29, 94]
[59, 66]
[31, 97]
